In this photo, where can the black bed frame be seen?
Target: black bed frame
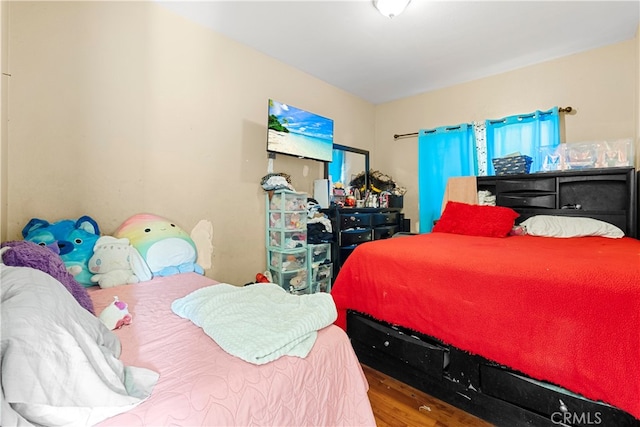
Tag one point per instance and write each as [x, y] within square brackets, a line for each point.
[478, 385]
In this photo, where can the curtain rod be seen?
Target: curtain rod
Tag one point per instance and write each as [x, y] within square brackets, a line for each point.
[405, 135]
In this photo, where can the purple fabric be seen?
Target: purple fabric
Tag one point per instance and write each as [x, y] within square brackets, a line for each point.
[28, 254]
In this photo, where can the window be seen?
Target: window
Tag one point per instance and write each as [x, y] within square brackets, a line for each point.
[467, 149]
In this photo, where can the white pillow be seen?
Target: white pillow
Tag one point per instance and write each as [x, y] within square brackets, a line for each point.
[566, 226]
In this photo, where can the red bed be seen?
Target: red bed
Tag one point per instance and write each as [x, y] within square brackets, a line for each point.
[566, 311]
[202, 385]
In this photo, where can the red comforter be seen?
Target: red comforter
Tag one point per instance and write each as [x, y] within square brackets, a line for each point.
[562, 310]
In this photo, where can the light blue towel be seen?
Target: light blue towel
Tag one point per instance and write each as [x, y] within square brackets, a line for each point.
[258, 323]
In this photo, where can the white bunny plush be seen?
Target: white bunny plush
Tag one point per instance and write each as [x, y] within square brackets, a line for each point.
[111, 262]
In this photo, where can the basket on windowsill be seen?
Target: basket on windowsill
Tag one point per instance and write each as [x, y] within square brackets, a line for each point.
[512, 165]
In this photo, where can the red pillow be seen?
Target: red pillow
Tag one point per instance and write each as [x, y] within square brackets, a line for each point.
[476, 220]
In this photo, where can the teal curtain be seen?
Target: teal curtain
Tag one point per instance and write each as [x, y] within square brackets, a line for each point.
[531, 134]
[442, 153]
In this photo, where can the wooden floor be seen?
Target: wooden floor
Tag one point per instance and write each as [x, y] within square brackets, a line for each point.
[397, 404]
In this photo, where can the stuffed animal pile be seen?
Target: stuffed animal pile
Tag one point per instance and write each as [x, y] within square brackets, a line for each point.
[142, 247]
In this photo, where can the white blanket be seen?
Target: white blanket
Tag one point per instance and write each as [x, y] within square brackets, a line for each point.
[60, 364]
[258, 323]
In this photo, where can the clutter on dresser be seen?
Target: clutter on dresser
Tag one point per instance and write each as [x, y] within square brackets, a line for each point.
[513, 163]
[588, 155]
[319, 228]
[569, 156]
[382, 192]
[378, 183]
[339, 195]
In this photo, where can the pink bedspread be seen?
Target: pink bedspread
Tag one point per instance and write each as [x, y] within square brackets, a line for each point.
[201, 385]
[562, 310]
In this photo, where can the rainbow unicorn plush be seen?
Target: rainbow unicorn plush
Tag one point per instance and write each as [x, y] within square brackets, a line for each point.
[166, 248]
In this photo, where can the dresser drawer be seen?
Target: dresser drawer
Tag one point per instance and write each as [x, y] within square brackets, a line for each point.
[384, 232]
[355, 236]
[429, 358]
[527, 201]
[547, 399]
[355, 220]
[525, 185]
[384, 218]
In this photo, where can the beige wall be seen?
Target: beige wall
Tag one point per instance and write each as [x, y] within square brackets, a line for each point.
[118, 108]
[4, 83]
[601, 85]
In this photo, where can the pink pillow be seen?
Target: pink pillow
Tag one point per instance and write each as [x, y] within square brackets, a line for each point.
[476, 220]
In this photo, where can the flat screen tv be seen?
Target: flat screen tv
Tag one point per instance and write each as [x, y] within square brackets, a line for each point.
[299, 133]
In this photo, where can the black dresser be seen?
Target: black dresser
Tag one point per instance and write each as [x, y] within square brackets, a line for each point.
[607, 194]
[354, 226]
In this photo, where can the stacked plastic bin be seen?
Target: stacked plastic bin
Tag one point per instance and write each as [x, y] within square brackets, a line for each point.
[287, 254]
[320, 267]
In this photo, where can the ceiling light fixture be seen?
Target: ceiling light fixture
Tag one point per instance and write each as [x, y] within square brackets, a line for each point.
[391, 8]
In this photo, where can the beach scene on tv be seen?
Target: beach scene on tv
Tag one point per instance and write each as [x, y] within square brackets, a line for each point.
[299, 133]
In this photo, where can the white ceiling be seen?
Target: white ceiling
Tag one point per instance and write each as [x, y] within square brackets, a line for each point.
[433, 44]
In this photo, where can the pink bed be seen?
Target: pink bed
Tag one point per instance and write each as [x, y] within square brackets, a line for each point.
[200, 384]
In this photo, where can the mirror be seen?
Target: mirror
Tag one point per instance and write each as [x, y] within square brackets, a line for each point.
[348, 162]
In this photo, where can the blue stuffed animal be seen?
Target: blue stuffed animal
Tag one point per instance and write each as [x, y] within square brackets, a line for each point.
[72, 239]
